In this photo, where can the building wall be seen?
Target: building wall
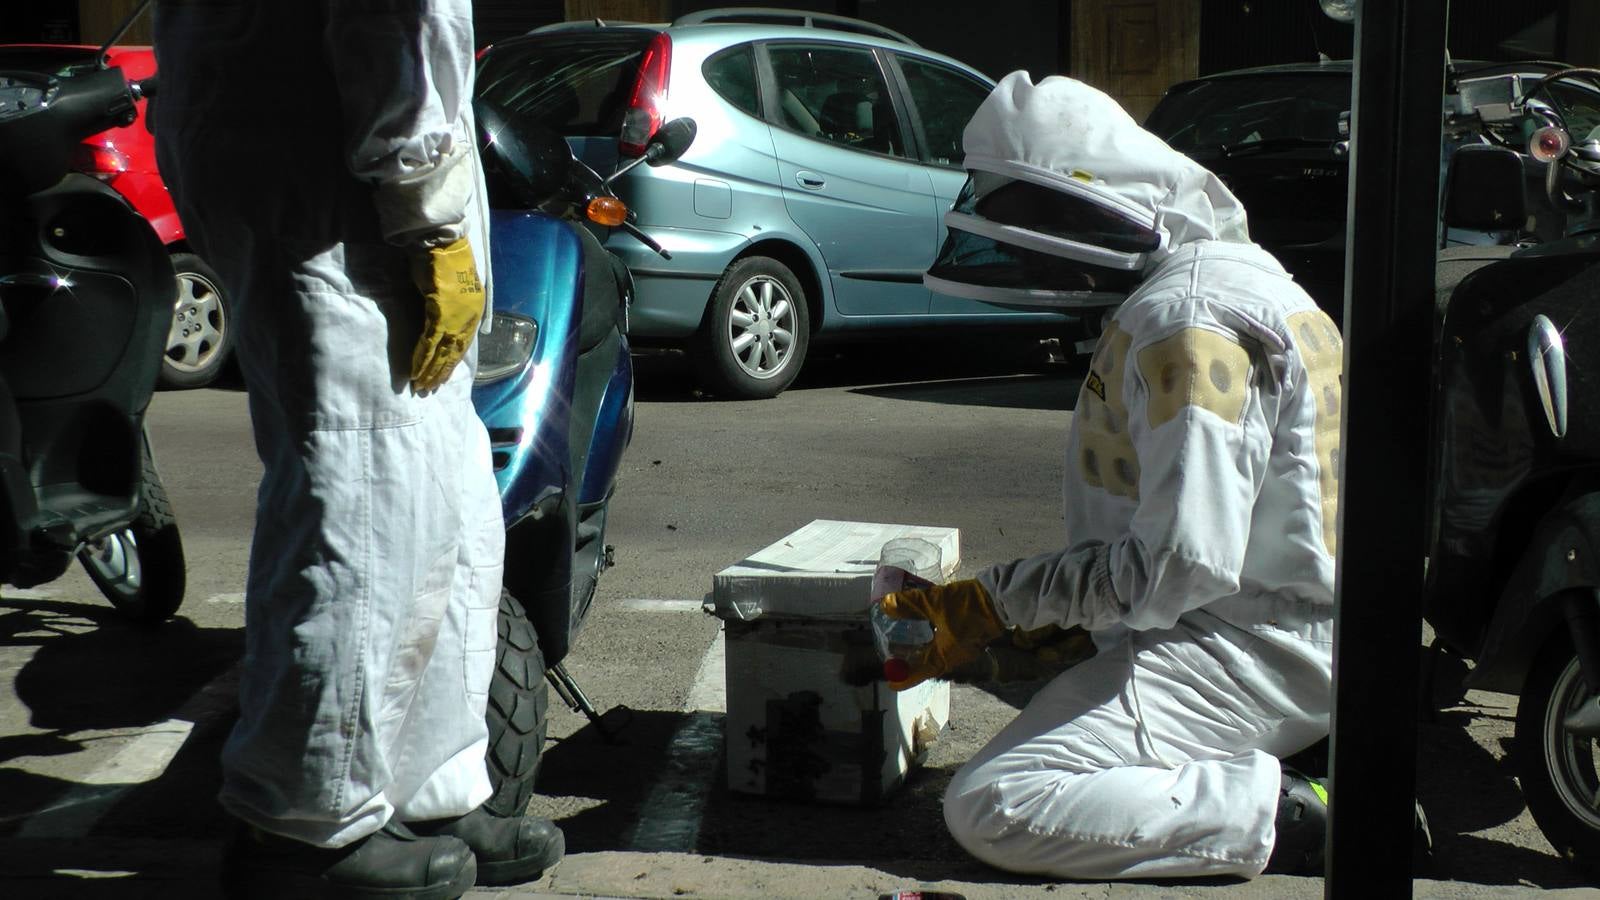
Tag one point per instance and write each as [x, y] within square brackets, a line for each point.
[1235, 34]
[98, 20]
[1007, 34]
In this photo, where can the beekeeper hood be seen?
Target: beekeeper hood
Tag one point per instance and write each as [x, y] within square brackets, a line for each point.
[1069, 202]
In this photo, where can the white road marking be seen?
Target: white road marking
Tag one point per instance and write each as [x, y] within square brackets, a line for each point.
[142, 760]
[709, 693]
[670, 817]
[225, 598]
[645, 604]
[7, 592]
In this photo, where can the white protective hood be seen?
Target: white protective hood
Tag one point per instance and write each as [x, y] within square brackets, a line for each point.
[1067, 136]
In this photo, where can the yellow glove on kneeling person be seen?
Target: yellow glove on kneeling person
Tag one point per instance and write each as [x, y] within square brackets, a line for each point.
[452, 304]
[964, 622]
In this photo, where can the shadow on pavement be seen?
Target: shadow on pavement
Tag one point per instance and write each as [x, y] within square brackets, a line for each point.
[1057, 391]
[1465, 788]
[93, 868]
[93, 670]
[608, 780]
[904, 836]
[980, 372]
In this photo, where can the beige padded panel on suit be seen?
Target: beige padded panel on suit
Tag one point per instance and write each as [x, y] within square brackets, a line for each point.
[1196, 367]
[1322, 352]
[1105, 451]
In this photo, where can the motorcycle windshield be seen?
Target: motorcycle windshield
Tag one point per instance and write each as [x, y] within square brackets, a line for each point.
[524, 163]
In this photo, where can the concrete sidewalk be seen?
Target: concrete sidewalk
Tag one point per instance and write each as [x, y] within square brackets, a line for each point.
[629, 876]
[128, 869]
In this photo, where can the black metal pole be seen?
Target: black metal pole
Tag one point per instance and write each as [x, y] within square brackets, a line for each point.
[1389, 278]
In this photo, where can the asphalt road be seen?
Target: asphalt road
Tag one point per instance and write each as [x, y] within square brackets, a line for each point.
[109, 733]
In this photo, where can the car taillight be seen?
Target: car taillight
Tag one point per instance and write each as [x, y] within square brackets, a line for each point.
[643, 117]
[104, 163]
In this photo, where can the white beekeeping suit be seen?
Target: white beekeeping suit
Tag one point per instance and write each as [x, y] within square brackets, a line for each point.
[320, 152]
[1200, 504]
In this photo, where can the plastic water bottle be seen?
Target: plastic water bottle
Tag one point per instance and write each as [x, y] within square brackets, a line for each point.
[903, 563]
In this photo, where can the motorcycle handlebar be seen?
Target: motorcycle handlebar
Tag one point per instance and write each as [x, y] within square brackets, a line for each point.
[36, 147]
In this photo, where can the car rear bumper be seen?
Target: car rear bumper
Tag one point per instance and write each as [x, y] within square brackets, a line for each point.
[670, 295]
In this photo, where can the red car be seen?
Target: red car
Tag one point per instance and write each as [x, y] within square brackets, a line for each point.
[125, 159]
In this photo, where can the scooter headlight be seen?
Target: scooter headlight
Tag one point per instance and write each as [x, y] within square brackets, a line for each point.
[506, 348]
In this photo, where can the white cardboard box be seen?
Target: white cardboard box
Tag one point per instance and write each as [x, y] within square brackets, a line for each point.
[804, 721]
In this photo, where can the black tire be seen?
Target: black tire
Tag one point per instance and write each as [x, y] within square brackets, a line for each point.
[1560, 773]
[140, 569]
[756, 331]
[201, 337]
[519, 701]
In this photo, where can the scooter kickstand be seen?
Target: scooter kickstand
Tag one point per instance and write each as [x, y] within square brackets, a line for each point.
[567, 688]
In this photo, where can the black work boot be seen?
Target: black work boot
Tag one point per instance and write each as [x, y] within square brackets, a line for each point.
[393, 864]
[1302, 826]
[509, 850]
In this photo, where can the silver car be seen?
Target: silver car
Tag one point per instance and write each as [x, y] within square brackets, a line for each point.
[808, 206]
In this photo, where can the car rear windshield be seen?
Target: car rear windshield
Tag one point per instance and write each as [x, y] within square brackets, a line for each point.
[1231, 112]
[573, 83]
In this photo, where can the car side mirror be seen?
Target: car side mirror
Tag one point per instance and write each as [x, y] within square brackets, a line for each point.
[1484, 189]
[671, 141]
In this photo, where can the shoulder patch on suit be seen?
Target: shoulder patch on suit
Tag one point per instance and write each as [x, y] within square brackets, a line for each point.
[1196, 367]
[1095, 383]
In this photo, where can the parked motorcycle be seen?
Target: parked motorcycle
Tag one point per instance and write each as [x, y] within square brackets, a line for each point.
[555, 389]
[1513, 577]
[85, 304]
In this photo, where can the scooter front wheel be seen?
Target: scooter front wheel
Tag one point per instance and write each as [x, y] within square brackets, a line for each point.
[1559, 770]
[140, 568]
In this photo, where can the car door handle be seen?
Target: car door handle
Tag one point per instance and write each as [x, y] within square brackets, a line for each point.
[810, 180]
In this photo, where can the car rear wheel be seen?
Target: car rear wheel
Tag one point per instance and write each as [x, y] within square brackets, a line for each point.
[201, 333]
[756, 331]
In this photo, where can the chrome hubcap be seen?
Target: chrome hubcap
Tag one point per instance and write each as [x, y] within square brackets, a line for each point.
[115, 558]
[198, 321]
[761, 327]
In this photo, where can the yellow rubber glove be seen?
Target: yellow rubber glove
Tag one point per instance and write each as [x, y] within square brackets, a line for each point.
[963, 619]
[452, 303]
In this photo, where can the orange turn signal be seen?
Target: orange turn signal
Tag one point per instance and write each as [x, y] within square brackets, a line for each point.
[607, 211]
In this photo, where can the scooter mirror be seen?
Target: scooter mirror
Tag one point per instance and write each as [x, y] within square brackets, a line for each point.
[672, 140]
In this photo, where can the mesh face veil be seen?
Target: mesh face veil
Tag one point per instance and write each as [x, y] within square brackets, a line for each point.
[1069, 202]
[1022, 242]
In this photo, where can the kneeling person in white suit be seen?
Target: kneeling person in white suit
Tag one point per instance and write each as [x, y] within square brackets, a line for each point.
[1200, 509]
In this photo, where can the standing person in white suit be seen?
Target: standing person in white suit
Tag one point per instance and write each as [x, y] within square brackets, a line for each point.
[1200, 511]
[322, 156]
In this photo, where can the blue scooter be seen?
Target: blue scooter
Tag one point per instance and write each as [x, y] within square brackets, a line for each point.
[555, 390]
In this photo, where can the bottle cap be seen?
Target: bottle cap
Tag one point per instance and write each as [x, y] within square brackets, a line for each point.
[896, 669]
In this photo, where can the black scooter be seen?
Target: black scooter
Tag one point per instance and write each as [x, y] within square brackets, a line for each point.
[1513, 567]
[85, 303]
